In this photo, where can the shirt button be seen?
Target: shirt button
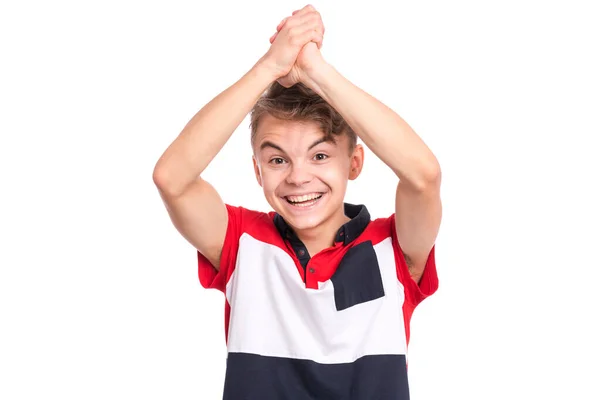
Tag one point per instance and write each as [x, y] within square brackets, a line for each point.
[311, 270]
[301, 253]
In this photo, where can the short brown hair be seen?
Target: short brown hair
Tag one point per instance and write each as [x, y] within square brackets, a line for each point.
[299, 103]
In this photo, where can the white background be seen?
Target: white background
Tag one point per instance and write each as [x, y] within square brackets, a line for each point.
[99, 296]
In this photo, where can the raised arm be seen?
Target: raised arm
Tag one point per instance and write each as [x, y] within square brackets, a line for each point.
[418, 202]
[194, 206]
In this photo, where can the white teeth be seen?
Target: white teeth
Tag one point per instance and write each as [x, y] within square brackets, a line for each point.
[306, 204]
[303, 198]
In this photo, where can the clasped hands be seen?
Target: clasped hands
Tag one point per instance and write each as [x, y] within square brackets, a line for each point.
[295, 47]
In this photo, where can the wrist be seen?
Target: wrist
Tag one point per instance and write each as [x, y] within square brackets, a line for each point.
[315, 76]
[267, 69]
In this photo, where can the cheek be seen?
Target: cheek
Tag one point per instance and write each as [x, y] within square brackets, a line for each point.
[270, 180]
[334, 174]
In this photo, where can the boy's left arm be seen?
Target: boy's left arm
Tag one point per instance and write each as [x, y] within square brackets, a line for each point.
[418, 202]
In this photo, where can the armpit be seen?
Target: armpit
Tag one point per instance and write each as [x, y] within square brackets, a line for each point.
[409, 262]
[414, 273]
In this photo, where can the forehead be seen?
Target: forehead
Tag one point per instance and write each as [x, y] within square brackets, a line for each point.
[288, 134]
[271, 128]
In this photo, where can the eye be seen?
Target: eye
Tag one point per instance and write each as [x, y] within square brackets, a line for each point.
[277, 161]
[321, 156]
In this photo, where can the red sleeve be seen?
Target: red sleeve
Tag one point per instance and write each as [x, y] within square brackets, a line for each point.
[208, 275]
[428, 284]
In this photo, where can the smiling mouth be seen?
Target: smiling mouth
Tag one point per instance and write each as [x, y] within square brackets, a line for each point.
[304, 200]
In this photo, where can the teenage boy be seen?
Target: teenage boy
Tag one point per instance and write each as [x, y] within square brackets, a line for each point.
[318, 296]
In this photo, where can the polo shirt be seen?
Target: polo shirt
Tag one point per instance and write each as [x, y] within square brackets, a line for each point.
[331, 326]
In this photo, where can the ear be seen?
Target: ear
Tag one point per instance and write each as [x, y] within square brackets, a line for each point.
[257, 171]
[356, 162]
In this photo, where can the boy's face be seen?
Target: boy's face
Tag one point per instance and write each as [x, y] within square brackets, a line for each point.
[303, 175]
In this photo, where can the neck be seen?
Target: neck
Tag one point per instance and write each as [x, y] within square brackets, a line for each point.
[323, 236]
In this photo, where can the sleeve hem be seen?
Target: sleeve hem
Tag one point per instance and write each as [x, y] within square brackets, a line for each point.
[208, 275]
[428, 284]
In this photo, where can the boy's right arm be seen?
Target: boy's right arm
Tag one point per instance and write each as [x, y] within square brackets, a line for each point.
[194, 206]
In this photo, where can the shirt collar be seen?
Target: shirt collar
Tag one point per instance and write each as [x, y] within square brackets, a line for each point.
[347, 233]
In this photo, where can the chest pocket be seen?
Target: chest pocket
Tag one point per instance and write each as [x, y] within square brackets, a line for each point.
[357, 278]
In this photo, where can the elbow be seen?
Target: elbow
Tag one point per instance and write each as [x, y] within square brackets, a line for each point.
[426, 179]
[433, 174]
[170, 183]
[162, 180]
[431, 178]
[159, 176]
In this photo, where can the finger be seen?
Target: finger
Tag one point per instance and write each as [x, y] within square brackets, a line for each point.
[301, 35]
[306, 9]
[312, 18]
[302, 11]
[320, 42]
[320, 28]
[282, 23]
[309, 35]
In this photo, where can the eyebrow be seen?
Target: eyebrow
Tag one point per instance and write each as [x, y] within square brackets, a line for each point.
[322, 140]
[317, 142]
[267, 143]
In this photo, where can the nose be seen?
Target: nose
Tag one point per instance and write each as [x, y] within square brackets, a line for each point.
[299, 175]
